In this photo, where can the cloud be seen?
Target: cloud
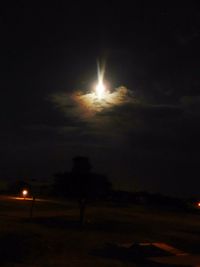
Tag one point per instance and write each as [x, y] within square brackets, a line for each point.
[85, 106]
[136, 126]
[117, 118]
[105, 117]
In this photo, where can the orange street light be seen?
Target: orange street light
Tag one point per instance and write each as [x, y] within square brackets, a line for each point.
[25, 193]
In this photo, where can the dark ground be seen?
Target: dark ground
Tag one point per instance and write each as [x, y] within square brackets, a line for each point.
[53, 236]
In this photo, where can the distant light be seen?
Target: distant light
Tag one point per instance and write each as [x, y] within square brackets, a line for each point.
[198, 204]
[25, 193]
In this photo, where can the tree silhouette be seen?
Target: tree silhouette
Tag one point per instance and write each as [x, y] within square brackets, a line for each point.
[81, 174]
[82, 184]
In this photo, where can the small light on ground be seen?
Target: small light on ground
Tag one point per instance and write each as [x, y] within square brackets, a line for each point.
[25, 193]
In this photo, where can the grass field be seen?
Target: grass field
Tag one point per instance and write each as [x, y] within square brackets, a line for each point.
[53, 236]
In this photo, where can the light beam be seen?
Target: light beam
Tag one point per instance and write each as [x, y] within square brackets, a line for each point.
[100, 87]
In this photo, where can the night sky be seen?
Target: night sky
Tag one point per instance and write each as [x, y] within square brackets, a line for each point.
[150, 140]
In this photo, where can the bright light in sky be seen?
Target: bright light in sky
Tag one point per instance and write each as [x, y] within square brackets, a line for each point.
[98, 98]
[100, 90]
[100, 87]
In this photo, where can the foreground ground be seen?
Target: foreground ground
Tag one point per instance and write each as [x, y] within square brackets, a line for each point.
[114, 235]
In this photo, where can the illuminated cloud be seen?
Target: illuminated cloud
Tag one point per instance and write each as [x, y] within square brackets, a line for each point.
[86, 106]
[120, 117]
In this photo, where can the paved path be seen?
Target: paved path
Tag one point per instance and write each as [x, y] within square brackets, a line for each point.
[179, 257]
[176, 256]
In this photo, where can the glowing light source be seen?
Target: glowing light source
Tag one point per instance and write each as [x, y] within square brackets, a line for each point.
[100, 88]
[198, 204]
[25, 193]
[99, 97]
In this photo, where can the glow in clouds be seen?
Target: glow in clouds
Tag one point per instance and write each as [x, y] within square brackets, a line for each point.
[87, 105]
[100, 90]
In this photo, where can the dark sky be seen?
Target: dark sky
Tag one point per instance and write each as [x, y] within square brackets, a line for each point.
[151, 143]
